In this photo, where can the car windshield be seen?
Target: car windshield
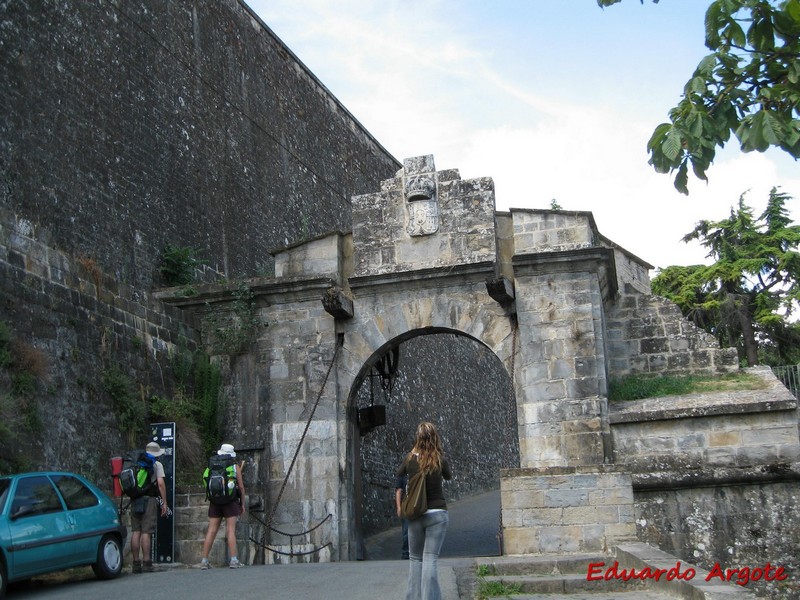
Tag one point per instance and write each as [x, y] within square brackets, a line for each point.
[5, 483]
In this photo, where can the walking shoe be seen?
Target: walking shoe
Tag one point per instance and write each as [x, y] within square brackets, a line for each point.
[235, 564]
[149, 567]
[204, 564]
[137, 566]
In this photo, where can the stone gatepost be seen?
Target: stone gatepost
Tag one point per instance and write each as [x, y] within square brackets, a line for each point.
[565, 498]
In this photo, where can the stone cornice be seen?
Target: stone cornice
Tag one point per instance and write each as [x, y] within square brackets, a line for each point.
[715, 476]
[425, 278]
[285, 289]
[582, 260]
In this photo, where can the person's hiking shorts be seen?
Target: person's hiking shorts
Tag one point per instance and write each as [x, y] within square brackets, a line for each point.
[231, 509]
[145, 522]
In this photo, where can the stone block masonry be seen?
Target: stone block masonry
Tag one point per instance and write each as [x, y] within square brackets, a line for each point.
[84, 322]
[689, 438]
[561, 510]
[649, 335]
[132, 125]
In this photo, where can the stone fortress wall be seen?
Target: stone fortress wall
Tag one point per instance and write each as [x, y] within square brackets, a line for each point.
[129, 127]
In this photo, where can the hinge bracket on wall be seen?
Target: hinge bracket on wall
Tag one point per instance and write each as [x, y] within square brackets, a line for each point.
[501, 289]
[337, 303]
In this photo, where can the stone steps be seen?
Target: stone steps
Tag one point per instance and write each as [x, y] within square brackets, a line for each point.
[557, 576]
[541, 577]
[565, 584]
[638, 595]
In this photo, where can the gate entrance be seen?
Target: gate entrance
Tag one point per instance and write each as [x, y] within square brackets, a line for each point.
[459, 385]
[430, 258]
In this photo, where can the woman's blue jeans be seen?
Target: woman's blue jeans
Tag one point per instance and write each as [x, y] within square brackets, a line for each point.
[425, 539]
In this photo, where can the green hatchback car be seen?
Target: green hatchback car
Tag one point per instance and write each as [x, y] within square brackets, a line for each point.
[50, 521]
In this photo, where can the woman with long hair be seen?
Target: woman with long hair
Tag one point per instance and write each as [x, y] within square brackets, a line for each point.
[426, 534]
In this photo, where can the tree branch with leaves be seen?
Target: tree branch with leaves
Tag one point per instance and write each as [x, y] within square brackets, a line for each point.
[749, 86]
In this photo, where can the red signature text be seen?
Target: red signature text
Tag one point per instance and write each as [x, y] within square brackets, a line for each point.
[744, 575]
[739, 575]
[596, 573]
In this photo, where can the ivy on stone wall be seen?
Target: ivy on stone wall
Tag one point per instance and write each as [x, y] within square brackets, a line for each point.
[23, 374]
[193, 406]
[129, 408]
[195, 409]
[234, 330]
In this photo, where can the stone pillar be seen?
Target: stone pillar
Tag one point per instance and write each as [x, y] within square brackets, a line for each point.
[565, 498]
[561, 382]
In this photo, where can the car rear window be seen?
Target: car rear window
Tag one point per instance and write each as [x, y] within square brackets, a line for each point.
[75, 493]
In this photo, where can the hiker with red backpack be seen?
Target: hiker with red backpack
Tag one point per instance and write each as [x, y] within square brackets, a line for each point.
[226, 496]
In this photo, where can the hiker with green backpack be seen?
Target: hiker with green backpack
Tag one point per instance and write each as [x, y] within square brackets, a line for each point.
[225, 493]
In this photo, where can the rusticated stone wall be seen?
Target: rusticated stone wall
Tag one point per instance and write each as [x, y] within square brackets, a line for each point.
[716, 477]
[648, 335]
[128, 126]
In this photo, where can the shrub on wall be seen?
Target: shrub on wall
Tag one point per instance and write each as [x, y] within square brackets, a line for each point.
[232, 331]
[178, 264]
[23, 370]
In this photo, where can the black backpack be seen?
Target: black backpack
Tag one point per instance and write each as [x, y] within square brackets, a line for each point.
[136, 477]
[220, 479]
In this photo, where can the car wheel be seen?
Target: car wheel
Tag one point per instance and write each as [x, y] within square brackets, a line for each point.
[109, 558]
[3, 579]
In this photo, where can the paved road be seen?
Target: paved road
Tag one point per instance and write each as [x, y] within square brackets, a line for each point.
[474, 523]
[472, 532]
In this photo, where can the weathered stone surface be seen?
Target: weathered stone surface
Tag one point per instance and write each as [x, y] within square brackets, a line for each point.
[80, 243]
[565, 512]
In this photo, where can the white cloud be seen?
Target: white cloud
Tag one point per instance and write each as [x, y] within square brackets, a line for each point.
[429, 78]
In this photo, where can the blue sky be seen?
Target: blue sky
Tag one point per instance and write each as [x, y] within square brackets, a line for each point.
[552, 99]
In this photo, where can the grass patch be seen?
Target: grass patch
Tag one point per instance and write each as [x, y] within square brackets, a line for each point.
[494, 588]
[637, 387]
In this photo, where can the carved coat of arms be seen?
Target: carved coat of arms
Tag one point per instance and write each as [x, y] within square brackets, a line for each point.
[423, 207]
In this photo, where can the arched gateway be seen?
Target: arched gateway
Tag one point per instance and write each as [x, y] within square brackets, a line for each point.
[427, 253]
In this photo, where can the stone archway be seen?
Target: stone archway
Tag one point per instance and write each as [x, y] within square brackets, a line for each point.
[457, 383]
[427, 253]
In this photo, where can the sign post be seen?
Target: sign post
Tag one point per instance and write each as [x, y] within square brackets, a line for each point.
[164, 539]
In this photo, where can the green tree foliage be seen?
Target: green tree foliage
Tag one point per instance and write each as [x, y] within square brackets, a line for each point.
[747, 296]
[749, 86]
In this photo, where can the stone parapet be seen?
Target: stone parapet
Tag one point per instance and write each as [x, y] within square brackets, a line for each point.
[648, 334]
[702, 432]
[423, 219]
